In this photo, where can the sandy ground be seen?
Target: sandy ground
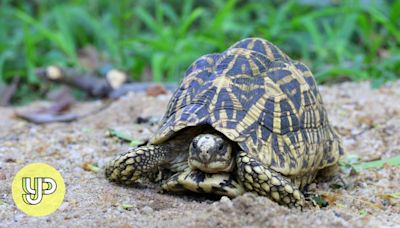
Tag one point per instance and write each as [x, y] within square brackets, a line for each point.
[368, 120]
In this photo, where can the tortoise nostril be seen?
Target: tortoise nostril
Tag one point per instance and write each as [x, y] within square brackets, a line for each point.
[204, 157]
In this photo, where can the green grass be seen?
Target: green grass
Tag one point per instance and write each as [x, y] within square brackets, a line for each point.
[157, 40]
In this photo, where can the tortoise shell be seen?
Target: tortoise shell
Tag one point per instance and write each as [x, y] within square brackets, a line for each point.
[258, 97]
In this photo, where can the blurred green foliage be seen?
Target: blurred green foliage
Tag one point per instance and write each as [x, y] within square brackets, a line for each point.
[354, 39]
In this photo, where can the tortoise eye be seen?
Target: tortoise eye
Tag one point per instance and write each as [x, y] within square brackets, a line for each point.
[194, 145]
[221, 146]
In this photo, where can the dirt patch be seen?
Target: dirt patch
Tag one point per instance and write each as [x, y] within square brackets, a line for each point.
[368, 120]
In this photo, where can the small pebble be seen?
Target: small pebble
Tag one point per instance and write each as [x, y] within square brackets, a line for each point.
[64, 206]
[77, 171]
[147, 210]
[363, 185]
[312, 187]
[18, 217]
[226, 201]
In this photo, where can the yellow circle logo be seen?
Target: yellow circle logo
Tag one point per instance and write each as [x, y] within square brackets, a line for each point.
[38, 189]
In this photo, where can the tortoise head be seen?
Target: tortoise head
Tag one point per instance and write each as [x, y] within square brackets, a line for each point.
[211, 153]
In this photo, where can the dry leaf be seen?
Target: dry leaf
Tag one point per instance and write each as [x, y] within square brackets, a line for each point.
[330, 197]
[366, 120]
[156, 90]
[88, 166]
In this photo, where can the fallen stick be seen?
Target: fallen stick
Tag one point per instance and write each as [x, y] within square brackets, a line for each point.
[114, 85]
[90, 83]
[54, 113]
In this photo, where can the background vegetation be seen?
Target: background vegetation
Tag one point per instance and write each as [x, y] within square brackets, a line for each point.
[157, 40]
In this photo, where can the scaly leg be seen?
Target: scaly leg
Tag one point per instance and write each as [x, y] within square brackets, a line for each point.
[258, 178]
[135, 163]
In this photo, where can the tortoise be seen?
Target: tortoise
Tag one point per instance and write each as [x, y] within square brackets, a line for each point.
[247, 119]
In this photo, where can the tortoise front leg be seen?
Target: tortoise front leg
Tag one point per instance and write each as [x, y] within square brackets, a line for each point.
[135, 163]
[198, 181]
[258, 178]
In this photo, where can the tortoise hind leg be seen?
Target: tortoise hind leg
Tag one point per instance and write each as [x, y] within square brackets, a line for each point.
[197, 181]
[266, 182]
[135, 163]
